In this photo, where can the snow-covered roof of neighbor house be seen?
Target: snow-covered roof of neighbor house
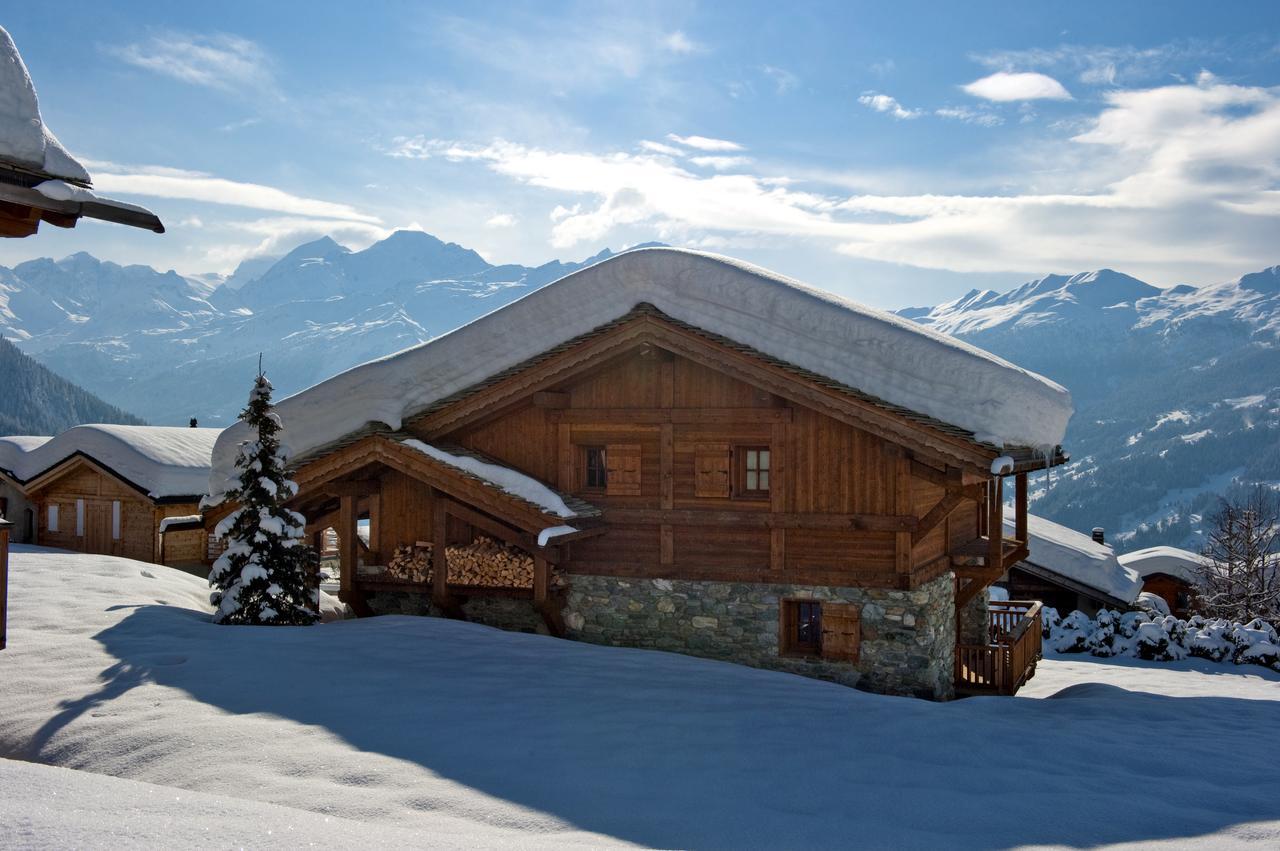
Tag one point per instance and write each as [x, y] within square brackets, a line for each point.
[35, 169]
[1170, 560]
[885, 356]
[1077, 557]
[165, 461]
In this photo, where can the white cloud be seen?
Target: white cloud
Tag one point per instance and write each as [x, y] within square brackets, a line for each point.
[501, 220]
[218, 60]
[969, 116]
[659, 148]
[887, 104]
[161, 182]
[678, 42]
[720, 163]
[1095, 64]
[1013, 86]
[280, 234]
[1175, 183]
[704, 143]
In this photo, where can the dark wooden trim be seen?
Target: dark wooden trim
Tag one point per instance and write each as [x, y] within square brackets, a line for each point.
[1020, 506]
[352, 487]
[940, 512]
[550, 399]
[759, 519]
[764, 576]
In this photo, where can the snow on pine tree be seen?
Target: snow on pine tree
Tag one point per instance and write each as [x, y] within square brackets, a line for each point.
[264, 575]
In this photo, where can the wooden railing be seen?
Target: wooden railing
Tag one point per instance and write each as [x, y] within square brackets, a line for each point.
[1004, 664]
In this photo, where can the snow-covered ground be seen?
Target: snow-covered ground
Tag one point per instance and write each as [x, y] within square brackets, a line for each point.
[453, 733]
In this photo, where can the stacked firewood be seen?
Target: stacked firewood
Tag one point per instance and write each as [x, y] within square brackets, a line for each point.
[488, 562]
[410, 563]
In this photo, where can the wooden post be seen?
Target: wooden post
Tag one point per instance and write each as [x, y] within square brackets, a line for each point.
[5, 526]
[903, 506]
[1020, 510]
[995, 524]
[541, 581]
[439, 550]
[348, 548]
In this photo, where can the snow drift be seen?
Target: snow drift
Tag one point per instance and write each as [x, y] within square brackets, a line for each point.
[165, 460]
[878, 353]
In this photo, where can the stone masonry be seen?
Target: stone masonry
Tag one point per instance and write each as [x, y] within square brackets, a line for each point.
[975, 619]
[907, 645]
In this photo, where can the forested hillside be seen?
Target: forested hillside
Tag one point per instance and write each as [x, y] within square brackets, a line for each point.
[34, 400]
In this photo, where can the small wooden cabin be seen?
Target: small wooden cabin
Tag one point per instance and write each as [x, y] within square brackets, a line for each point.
[1168, 572]
[109, 489]
[1070, 571]
[652, 483]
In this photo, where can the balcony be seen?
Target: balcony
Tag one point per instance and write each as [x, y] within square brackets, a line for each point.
[1009, 659]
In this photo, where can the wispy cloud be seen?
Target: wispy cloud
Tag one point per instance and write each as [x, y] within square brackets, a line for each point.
[720, 163]
[1101, 64]
[501, 220]
[1175, 182]
[783, 80]
[217, 60]
[1005, 86]
[887, 104]
[678, 42]
[660, 148]
[704, 143]
[161, 182]
[969, 116]
[278, 234]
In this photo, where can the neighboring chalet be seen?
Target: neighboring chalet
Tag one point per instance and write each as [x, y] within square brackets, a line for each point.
[1069, 570]
[14, 504]
[679, 451]
[39, 180]
[1169, 573]
[113, 489]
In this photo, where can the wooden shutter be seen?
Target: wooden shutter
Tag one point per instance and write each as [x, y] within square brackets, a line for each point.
[711, 470]
[841, 631]
[622, 461]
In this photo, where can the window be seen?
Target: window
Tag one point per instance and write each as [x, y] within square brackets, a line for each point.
[594, 469]
[79, 518]
[801, 628]
[752, 474]
[52, 523]
[115, 519]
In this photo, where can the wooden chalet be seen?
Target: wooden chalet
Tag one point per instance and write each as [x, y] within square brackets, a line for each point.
[112, 489]
[654, 483]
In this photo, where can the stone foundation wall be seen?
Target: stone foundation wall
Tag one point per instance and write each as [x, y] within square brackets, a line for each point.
[975, 620]
[907, 644]
[508, 613]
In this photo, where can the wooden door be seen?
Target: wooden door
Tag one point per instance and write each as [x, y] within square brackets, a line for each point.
[97, 526]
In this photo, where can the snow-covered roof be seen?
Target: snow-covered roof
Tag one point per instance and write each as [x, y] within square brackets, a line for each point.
[35, 169]
[24, 139]
[1077, 557]
[505, 479]
[879, 354]
[165, 461]
[1170, 560]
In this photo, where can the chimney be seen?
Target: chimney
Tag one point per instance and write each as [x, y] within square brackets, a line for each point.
[193, 425]
[1098, 534]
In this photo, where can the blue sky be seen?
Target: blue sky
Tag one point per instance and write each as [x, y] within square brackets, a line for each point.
[899, 153]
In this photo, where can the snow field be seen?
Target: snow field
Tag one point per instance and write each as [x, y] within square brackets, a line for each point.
[457, 730]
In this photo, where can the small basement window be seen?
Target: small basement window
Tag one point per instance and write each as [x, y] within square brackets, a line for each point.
[752, 473]
[801, 628]
[595, 470]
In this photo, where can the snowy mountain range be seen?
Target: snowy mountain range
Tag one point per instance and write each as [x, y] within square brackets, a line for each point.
[168, 347]
[1177, 391]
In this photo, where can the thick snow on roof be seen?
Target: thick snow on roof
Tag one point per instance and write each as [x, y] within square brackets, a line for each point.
[167, 461]
[503, 478]
[1170, 560]
[880, 354]
[1078, 557]
[24, 140]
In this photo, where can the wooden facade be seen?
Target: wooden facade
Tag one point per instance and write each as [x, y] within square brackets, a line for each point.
[85, 506]
[701, 461]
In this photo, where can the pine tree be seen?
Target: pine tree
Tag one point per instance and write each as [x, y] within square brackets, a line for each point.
[263, 576]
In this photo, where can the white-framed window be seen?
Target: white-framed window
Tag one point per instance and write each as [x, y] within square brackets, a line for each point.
[52, 521]
[115, 519]
[79, 518]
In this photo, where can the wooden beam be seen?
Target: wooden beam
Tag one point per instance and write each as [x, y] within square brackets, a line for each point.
[760, 519]
[666, 544]
[685, 416]
[440, 551]
[348, 551]
[565, 462]
[666, 466]
[940, 512]
[778, 549]
[541, 580]
[995, 523]
[1020, 507]
[904, 506]
[550, 399]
